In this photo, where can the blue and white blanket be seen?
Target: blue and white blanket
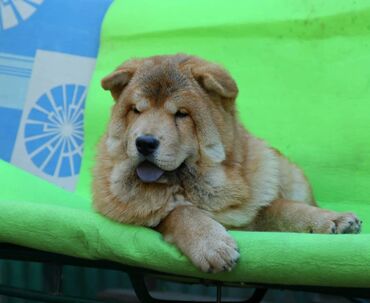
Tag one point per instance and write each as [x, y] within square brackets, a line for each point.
[47, 56]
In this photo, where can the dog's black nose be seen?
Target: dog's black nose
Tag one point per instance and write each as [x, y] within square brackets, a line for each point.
[146, 144]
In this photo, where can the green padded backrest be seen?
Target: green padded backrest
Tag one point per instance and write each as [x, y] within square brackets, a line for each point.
[302, 70]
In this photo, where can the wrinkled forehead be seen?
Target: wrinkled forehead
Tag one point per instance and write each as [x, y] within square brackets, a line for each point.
[160, 82]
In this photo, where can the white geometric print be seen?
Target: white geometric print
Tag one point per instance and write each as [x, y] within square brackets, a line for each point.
[12, 12]
[54, 130]
[49, 141]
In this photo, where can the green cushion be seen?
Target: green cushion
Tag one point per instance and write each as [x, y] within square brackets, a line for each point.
[302, 70]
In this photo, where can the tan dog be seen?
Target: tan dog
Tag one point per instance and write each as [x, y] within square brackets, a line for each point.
[175, 157]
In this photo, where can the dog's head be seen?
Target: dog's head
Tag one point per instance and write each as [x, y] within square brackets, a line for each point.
[169, 111]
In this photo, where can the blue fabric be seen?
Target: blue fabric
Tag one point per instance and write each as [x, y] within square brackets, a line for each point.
[47, 55]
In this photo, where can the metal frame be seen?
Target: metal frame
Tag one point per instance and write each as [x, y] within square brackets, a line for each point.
[55, 262]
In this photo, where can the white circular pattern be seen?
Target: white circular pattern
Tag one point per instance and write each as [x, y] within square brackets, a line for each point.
[54, 130]
[12, 12]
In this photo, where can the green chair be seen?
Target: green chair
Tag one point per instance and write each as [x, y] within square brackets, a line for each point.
[304, 79]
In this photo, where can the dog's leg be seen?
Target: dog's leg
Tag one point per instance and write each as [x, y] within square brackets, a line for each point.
[284, 215]
[203, 240]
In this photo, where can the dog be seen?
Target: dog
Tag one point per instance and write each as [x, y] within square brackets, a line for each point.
[175, 158]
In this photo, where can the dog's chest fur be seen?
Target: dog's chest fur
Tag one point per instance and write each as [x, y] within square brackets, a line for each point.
[150, 203]
[213, 191]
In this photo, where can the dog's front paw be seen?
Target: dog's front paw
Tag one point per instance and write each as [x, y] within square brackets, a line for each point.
[215, 252]
[340, 223]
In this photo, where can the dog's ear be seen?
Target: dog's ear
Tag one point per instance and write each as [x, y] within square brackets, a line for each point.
[117, 80]
[215, 80]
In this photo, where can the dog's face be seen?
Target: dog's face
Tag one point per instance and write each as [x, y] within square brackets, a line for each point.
[167, 113]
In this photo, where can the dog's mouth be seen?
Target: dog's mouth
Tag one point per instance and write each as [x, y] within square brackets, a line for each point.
[149, 172]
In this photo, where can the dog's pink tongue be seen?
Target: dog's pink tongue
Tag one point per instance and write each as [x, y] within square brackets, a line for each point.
[148, 172]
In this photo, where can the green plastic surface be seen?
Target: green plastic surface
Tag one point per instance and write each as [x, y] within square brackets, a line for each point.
[303, 72]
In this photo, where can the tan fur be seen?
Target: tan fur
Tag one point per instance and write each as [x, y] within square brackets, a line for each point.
[217, 174]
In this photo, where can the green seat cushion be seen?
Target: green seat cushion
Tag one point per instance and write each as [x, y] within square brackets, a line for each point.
[302, 70]
[42, 216]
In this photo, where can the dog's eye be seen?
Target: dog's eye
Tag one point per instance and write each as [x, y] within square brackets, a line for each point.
[181, 114]
[135, 110]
